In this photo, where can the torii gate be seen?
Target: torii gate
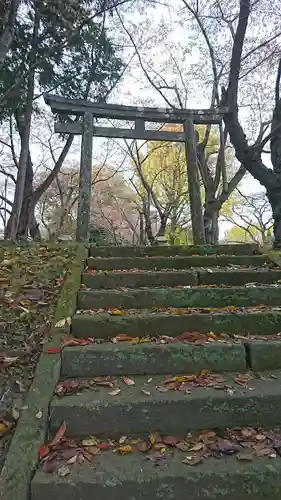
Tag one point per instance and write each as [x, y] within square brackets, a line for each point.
[65, 107]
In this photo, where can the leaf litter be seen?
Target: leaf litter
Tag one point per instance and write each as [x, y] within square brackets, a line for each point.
[31, 278]
[246, 444]
[180, 311]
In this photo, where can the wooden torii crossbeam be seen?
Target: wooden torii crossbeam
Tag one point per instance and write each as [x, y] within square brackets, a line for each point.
[65, 108]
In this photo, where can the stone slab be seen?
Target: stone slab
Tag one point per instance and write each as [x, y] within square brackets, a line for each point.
[171, 251]
[263, 355]
[238, 277]
[140, 279]
[141, 359]
[135, 477]
[174, 262]
[104, 325]
[180, 297]
[133, 413]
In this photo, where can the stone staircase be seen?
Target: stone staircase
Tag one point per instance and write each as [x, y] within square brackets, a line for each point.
[155, 412]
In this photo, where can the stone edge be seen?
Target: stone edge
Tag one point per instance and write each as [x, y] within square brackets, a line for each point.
[30, 433]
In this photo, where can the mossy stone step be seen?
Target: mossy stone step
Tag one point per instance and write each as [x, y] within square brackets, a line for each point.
[148, 358]
[139, 279]
[183, 278]
[132, 412]
[103, 325]
[133, 476]
[263, 355]
[238, 276]
[172, 251]
[101, 263]
[177, 297]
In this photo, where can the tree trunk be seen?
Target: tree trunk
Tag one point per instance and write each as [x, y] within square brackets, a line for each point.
[211, 216]
[194, 183]
[25, 121]
[7, 35]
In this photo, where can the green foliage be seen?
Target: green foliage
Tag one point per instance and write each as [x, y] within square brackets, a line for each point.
[64, 62]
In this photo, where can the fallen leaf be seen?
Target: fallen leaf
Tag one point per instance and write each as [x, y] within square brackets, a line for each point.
[115, 392]
[15, 414]
[116, 312]
[53, 350]
[197, 447]
[49, 466]
[124, 450]
[193, 460]
[182, 446]
[93, 450]
[44, 451]
[123, 337]
[59, 435]
[106, 446]
[170, 440]
[72, 460]
[5, 427]
[63, 471]
[154, 437]
[122, 439]
[128, 381]
[144, 446]
[91, 441]
[60, 323]
[246, 456]
[146, 393]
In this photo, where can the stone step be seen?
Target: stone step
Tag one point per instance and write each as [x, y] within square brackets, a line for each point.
[134, 476]
[264, 355]
[151, 358]
[174, 278]
[104, 325]
[238, 277]
[179, 297]
[133, 412]
[109, 263]
[172, 251]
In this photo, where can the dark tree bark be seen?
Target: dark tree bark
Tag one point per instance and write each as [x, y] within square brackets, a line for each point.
[250, 156]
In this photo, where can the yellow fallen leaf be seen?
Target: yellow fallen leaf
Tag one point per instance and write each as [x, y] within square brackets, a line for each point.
[123, 450]
[212, 335]
[116, 312]
[90, 441]
[3, 429]
[60, 323]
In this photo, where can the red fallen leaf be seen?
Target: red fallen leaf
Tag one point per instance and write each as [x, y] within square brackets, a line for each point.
[128, 381]
[44, 451]
[123, 337]
[53, 350]
[170, 440]
[83, 341]
[59, 435]
[106, 446]
[192, 337]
